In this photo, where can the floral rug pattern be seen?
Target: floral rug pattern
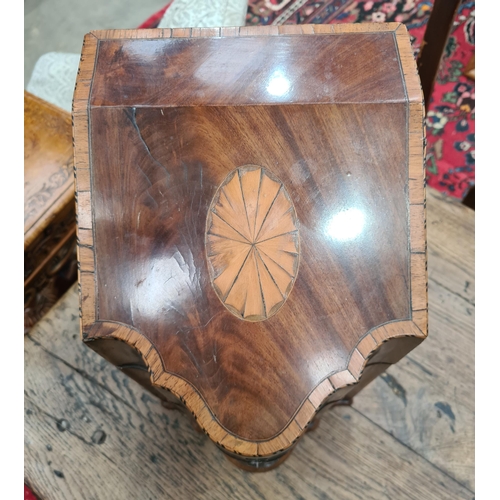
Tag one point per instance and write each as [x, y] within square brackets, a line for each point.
[450, 159]
[451, 115]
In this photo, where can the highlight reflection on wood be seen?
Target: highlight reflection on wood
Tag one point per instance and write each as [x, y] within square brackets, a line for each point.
[252, 243]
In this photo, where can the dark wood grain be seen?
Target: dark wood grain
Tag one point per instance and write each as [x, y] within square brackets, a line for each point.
[169, 212]
[347, 148]
[248, 71]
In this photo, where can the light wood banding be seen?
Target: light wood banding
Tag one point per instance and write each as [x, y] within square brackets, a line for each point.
[209, 423]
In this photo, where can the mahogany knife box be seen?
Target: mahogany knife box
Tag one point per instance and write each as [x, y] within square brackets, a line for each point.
[251, 219]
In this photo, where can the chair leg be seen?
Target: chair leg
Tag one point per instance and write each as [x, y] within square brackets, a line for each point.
[435, 38]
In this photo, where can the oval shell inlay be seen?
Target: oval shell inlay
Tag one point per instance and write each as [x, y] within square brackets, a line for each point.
[252, 243]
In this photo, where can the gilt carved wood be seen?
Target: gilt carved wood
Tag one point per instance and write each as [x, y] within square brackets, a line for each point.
[251, 218]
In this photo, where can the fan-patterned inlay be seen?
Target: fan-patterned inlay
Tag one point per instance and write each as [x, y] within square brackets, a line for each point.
[252, 243]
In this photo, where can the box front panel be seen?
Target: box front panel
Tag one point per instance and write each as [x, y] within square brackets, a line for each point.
[344, 167]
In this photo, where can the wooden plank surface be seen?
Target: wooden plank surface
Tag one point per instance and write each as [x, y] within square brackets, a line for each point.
[427, 399]
[93, 433]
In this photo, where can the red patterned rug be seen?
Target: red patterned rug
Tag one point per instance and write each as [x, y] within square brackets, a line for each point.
[28, 494]
[450, 120]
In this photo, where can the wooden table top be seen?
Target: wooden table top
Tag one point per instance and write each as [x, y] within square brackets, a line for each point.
[91, 432]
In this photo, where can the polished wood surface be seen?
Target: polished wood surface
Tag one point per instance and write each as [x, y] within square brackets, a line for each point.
[49, 208]
[244, 70]
[408, 435]
[161, 155]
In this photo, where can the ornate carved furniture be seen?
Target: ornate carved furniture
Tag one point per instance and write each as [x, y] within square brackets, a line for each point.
[49, 207]
[251, 219]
